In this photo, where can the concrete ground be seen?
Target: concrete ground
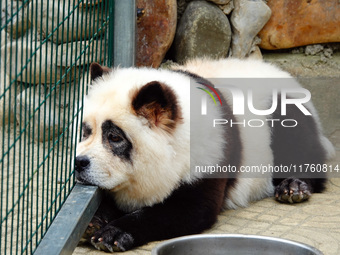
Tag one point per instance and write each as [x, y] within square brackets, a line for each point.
[316, 222]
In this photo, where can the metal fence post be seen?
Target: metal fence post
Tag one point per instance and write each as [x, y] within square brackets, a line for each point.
[122, 33]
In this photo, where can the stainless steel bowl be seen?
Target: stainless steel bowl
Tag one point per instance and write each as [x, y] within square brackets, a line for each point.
[232, 244]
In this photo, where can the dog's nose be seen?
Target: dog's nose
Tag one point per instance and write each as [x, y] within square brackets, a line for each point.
[82, 162]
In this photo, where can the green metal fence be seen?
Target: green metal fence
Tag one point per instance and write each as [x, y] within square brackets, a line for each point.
[46, 48]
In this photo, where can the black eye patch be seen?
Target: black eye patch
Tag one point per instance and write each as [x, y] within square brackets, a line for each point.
[115, 138]
[86, 131]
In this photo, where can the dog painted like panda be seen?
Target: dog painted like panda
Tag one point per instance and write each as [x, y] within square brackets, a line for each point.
[137, 145]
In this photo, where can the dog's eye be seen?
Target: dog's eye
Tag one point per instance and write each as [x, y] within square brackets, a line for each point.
[114, 138]
[87, 131]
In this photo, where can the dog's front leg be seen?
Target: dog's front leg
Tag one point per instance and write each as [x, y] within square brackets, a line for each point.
[107, 212]
[189, 210]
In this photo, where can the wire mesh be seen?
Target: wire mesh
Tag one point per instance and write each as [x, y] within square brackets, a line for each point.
[46, 48]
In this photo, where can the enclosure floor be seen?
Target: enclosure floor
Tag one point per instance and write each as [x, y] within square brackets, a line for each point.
[315, 222]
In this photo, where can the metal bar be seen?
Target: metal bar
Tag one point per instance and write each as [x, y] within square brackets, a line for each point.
[71, 222]
[124, 42]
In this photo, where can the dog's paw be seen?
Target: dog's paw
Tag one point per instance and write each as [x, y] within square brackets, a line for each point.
[112, 239]
[95, 224]
[292, 190]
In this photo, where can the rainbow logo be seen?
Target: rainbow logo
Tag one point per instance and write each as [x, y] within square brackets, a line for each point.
[204, 99]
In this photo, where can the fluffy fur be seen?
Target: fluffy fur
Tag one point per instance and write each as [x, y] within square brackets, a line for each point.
[136, 146]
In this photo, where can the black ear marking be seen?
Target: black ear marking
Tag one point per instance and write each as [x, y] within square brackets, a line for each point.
[96, 70]
[150, 93]
[158, 103]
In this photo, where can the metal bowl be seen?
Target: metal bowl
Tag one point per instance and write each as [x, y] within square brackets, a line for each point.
[232, 244]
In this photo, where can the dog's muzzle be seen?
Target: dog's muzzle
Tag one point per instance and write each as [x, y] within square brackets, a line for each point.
[81, 164]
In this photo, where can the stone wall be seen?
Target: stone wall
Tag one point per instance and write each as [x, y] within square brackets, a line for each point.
[236, 28]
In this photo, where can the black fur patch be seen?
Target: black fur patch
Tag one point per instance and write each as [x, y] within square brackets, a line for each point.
[86, 131]
[298, 146]
[115, 138]
[97, 71]
[191, 209]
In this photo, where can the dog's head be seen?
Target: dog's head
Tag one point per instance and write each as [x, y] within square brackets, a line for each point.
[134, 139]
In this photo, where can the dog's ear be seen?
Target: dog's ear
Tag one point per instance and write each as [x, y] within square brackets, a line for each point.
[157, 103]
[96, 70]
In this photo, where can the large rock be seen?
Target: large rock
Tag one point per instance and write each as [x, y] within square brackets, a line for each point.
[220, 1]
[155, 31]
[227, 8]
[203, 30]
[247, 19]
[18, 23]
[49, 119]
[295, 23]
[52, 67]
[181, 6]
[7, 94]
[80, 24]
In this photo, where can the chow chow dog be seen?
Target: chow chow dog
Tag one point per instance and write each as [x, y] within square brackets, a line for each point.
[141, 139]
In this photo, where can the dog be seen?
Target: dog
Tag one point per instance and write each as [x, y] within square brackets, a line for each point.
[149, 147]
